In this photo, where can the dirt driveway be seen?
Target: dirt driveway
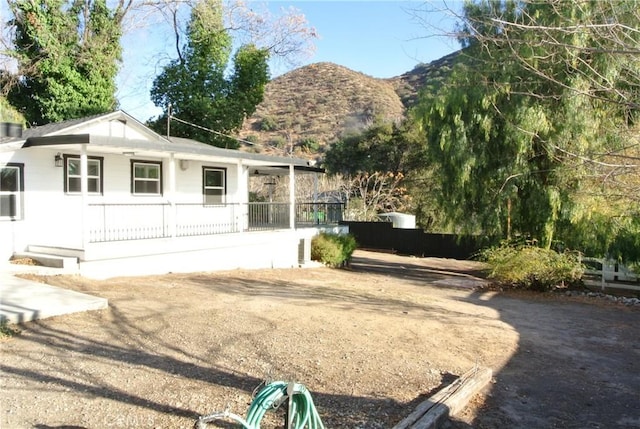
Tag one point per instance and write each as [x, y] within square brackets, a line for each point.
[370, 343]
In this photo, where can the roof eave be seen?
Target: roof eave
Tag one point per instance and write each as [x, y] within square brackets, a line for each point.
[66, 139]
[191, 151]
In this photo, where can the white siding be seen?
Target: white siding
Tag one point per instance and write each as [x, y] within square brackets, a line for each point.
[189, 182]
[53, 218]
[50, 217]
[115, 128]
[117, 180]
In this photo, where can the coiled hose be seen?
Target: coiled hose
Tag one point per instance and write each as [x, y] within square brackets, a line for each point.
[301, 413]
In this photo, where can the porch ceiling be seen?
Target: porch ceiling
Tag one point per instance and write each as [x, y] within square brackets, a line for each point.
[279, 170]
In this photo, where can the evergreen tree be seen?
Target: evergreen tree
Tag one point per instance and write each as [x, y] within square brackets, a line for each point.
[383, 146]
[9, 114]
[195, 89]
[540, 99]
[67, 56]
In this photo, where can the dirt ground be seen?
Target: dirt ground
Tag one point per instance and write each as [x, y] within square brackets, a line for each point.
[370, 343]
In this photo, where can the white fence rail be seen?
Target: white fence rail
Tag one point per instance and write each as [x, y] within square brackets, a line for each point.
[606, 272]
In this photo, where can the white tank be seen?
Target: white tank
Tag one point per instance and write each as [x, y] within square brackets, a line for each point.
[400, 220]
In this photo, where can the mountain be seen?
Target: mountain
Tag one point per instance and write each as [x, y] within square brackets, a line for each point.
[427, 77]
[311, 107]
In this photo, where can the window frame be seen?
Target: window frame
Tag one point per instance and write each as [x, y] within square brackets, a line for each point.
[99, 177]
[133, 180]
[223, 197]
[19, 210]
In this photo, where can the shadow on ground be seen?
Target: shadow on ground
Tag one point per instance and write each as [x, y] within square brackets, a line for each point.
[577, 365]
[137, 346]
[128, 351]
[415, 269]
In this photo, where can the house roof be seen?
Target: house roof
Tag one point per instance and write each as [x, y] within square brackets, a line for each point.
[62, 135]
[69, 126]
[196, 147]
[53, 128]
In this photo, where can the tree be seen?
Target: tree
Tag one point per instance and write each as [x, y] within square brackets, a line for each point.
[58, 58]
[371, 169]
[534, 110]
[286, 36]
[381, 147]
[564, 43]
[67, 58]
[8, 113]
[195, 89]
[373, 193]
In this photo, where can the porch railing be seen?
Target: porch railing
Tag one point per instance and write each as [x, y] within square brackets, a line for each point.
[318, 213]
[268, 216]
[117, 222]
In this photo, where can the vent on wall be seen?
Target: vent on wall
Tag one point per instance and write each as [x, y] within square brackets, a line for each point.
[304, 251]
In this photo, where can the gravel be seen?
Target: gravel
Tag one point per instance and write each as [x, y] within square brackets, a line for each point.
[370, 343]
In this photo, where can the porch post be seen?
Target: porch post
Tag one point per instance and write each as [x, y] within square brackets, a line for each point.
[240, 203]
[316, 219]
[172, 215]
[292, 198]
[84, 192]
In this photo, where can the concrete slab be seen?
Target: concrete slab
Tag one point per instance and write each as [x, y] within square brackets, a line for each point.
[24, 300]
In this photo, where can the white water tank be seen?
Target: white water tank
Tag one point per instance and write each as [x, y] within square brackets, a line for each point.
[400, 220]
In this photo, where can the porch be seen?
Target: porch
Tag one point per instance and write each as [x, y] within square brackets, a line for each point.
[122, 222]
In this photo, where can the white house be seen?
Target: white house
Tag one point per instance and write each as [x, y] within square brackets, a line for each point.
[120, 199]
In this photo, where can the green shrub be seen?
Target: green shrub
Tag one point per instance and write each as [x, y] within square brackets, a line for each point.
[332, 249]
[7, 331]
[348, 245]
[252, 138]
[326, 250]
[268, 123]
[309, 144]
[279, 142]
[531, 267]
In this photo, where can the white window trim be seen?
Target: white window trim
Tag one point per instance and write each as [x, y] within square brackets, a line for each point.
[157, 164]
[223, 187]
[68, 176]
[19, 193]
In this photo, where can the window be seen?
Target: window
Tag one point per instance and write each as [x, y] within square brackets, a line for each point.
[11, 187]
[146, 178]
[213, 185]
[72, 174]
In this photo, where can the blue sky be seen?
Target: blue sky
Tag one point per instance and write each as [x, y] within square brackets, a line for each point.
[379, 38]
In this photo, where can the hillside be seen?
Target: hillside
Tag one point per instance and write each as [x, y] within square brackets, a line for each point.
[311, 107]
[423, 76]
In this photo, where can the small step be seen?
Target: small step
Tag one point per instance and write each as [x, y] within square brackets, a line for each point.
[56, 251]
[53, 261]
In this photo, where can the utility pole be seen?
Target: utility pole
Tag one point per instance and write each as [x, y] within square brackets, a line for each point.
[168, 121]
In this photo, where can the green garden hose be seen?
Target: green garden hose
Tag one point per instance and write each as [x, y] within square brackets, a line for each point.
[301, 414]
